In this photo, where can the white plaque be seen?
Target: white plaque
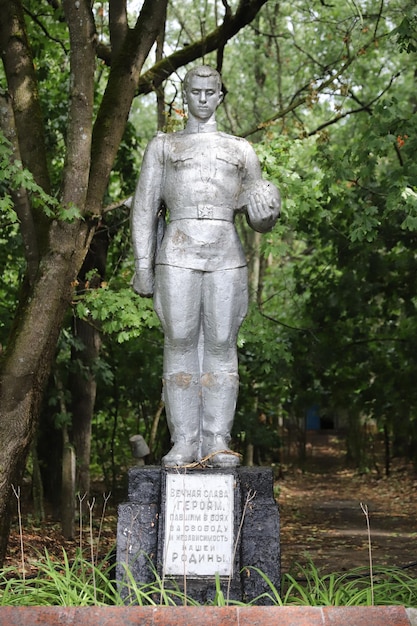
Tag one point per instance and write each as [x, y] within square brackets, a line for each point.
[199, 525]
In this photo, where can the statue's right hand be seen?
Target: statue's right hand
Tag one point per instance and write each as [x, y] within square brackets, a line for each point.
[143, 283]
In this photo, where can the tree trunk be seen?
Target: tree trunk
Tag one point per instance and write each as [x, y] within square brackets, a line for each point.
[37, 485]
[249, 455]
[27, 363]
[387, 450]
[82, 381]
[83, 391]
[160, 91]
[154, 429]
[68, 490]
[39, 319]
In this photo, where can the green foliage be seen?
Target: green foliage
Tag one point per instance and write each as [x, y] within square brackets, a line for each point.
[13, 177]
[339, 286]
[65, 583]
[11, 269]
[357, 274]
[126, 404]
[117, 312]
[159, 592]
[79, 583]
[310, 588]
[406, 33]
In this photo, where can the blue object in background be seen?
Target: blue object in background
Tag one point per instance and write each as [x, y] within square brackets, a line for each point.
[313, 418]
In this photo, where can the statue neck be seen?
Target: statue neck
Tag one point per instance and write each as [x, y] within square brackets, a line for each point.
[196, 126]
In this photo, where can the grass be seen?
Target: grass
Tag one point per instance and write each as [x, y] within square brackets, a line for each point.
[74, 583]
[357, 587]
[79, 583]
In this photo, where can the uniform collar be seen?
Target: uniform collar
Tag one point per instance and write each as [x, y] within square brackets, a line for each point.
[194, 126]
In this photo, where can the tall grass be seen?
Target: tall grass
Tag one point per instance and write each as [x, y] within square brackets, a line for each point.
[64, 584]
[357, 587]
[79, 583]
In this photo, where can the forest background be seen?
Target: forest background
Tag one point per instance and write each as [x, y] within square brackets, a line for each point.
[326, 91]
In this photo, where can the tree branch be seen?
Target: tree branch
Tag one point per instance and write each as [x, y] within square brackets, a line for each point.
[20, 196]
[43, 28]
[364, 107]
[381, 8]
[298, 329]
[117, 24]
[301, 100]
[104, 52]
[231, 25]
[117, 99]
[78, 137]
[22, 85]
[295, 103]
[27, 120]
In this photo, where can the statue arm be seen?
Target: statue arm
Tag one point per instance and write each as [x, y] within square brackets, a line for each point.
[260, 198]
[146, 205]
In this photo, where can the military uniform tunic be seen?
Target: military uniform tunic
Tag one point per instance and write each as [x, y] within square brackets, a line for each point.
[199, 178]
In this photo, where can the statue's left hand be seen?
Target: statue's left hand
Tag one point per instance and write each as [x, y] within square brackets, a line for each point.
[263, 206]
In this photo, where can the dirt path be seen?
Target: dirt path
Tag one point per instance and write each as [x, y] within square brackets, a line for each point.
[322, 518]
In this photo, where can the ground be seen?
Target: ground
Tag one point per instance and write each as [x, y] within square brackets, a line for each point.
[323, 517]
[323, 512]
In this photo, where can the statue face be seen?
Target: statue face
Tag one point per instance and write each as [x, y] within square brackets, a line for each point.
[203, 96]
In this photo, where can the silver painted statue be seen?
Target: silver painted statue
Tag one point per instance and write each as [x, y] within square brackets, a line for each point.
[196, 269]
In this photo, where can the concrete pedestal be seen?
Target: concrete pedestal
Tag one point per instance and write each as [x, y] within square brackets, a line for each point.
[193, 526]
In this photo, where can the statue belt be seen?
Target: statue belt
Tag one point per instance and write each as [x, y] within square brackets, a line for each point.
[202, 211]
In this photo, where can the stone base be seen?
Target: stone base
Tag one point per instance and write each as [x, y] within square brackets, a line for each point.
[198, 616]
[254, 544]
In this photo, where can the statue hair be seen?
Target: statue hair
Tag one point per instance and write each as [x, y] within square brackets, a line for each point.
[204, 71]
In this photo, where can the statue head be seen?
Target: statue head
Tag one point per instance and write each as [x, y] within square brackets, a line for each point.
[203, 92]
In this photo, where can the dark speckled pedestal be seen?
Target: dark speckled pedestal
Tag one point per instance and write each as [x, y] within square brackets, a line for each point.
[141, 524]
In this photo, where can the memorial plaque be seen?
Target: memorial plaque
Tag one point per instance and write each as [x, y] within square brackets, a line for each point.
[199, 522]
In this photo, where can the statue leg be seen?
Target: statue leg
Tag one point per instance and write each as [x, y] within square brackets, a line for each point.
[176, 302]
[219, 391]
[225, 302]
[182, 408]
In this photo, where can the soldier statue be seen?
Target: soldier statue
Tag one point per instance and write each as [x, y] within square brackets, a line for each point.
[189, 258]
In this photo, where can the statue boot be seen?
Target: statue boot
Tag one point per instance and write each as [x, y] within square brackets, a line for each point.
[219, 395]
[182, 408]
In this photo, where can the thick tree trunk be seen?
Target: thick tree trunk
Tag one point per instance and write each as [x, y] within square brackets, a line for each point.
[31, 350]
[28, 361]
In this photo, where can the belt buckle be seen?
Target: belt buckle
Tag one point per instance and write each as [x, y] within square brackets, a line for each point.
[204, 211]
